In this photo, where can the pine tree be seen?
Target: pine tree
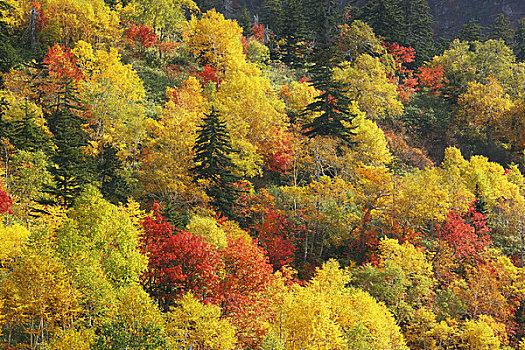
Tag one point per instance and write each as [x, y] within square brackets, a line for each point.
[213, 164]
[502, 29]
[472, 31]
[8, 55]
[519, 39]
[332, 104]
[406, 22]
[335, 118]
[71, 168]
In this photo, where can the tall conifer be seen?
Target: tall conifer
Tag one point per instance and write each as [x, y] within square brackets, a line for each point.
[213, 163]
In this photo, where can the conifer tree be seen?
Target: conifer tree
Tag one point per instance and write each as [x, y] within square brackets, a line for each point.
[502, 29]
[519, 39]
[8, 55]
[472, 31]
[406, 22]
[212, 158]
[71, 168]
[334, 117]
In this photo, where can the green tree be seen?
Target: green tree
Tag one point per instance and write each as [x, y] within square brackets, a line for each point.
[406, 22]
[331, 106]
[519, 39]
[503, 30]
[472, 31]
[213, 163]
[71, 168]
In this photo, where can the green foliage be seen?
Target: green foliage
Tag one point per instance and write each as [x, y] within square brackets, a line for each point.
[213, 163]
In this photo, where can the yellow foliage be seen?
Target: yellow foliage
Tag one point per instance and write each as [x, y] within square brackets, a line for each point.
[208, 228]
[371, 144]
[423, 196]
[169, 152]
[12, 239]
[70, 20]
[18, 108]
[478, 335]
[137, 310]
[72, 339]
[370, 86]
[215, 40]
[320, 314]
[489, 178]
[115, 96]
[193, 324]
[412, 261]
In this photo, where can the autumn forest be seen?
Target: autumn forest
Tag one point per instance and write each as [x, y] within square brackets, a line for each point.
[179, 175]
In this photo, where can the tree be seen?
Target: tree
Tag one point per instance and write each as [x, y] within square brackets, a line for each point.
[178, 262]
[503, 30]
[405, 22]
[195, 325]
[331, 106]
[213, 163]
[472, 31]
[72, 168]
[519, 38]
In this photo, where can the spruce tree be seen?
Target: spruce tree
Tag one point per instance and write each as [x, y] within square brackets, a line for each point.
[71, 168]
[406, 22]
[332, 104]
[502, 29]
[519, 39]
[472, 31]
[213, 163]
[8, 55]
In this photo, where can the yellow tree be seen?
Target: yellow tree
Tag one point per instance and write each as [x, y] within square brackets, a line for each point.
[168, 153]
[114, 96]
[369, 85]
[324, 314]
[195, 325]
[484, 108]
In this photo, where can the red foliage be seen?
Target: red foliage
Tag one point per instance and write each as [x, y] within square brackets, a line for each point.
[41, 19]
[141, 37]
[258, 32]
[278, 153]
[179, 262]
[467, 236]
[276, 236]
[156, 228]
[407, 88]
[241, 292]
[5, 202]
[209, 74]
[62, 65]
[244, 43]
[403, 55]
[432, 78]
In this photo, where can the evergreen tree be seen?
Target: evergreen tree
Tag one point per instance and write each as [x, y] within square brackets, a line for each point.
[8, 55]
[502, 29]
[472, 31]
[406, 22]
[23, 134]
[71, 168]
[519, 39]
[212, 158]
[113, 185]
[332, 104]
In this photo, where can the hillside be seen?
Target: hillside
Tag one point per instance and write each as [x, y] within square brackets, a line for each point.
[173, 179]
